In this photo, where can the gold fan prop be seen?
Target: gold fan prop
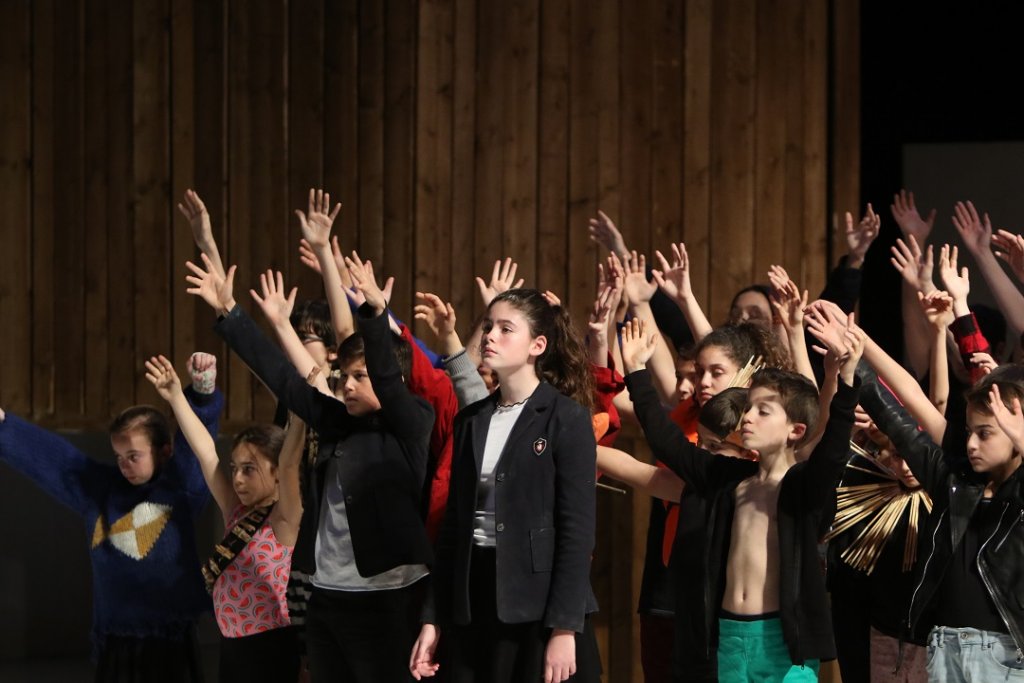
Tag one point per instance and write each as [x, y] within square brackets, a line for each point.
[742, 378]
[881, 504]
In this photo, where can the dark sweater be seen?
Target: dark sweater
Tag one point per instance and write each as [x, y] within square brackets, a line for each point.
[805, 492]
[146, 583]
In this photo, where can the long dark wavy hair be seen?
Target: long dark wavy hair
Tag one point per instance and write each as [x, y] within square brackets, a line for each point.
[564, 363]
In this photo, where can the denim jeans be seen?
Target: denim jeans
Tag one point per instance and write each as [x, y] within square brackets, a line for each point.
[967, 655]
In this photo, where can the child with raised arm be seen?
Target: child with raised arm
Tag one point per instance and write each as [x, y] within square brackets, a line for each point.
[764, 593]
[966, 587]
[139, 517]
[371, 548]
[261, 506]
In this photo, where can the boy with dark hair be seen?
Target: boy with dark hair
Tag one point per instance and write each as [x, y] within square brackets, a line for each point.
[764, 593]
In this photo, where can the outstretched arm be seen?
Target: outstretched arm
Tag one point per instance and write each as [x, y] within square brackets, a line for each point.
[287, 513]
[192, 208]
[976, 233]
[674, 281]
[789, 306]
[316, 230]
[938, 309]
[277, 309]
[160, 372]
[659, 482]
[638, 291]
[916, 268]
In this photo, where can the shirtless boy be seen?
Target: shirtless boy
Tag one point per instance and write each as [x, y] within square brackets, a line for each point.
[764, 595]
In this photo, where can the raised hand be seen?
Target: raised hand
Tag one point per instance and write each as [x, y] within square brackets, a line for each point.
[637, 345]
[975, 231]
[3, 415]
[600, 313]
[438, 314]
[984, 361]
[1010, 248]
[860, 236]
[674, 278]
[503, 278]
[957, 284]
[316, 226]
[309, 259]
[635, 285]
[907, 217]
[786, 299]
[830, 330]
[603, 231]
[616, 273]
[551, 298]
[938, 308]
[1010, 420]
[215, 290]
[915, 267]
[160, 373]
[202, 368]
[192, 208]
[277, 308]
[363, 282]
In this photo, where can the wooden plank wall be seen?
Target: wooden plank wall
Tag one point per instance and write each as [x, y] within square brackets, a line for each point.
[455, 132]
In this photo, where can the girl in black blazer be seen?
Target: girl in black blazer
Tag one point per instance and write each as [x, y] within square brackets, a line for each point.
[511, 586]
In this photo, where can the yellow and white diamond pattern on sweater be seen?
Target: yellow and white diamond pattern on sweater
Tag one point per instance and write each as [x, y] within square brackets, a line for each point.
[136, 533]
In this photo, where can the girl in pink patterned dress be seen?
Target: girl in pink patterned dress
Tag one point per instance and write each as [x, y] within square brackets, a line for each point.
[262, 506]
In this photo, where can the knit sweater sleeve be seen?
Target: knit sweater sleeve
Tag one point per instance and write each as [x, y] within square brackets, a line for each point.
[57, 467]
[184, 465]
[469, 386]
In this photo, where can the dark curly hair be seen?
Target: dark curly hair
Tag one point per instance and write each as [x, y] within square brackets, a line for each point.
[744, 341]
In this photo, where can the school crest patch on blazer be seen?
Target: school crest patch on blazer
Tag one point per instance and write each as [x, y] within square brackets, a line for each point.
[539, 445]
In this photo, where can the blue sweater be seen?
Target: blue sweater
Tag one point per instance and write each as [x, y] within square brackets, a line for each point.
[145, 570]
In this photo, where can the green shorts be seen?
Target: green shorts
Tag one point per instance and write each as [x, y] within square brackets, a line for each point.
[754, 650]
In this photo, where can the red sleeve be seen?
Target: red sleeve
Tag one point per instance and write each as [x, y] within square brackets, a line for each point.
[970, 340]
[435, 387]
[607, 383]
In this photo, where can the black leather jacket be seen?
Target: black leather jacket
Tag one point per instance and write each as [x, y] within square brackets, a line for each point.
[955, 495]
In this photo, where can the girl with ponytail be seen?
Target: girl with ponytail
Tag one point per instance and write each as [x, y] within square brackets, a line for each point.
[511, 580]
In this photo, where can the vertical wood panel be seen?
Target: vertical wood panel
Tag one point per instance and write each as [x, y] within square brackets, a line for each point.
[667, 128]
[815, 74]
[434, 110]
[371, 129]
[697, 145]
[183, 175]
[553, 138]
[490, 162]
[845, 109]
[305, 140]
[769, 179]
[732, 177]
[584, 161]
[793, 193]
[463, 190]
[120, 209]
[341, 133]
[519, 191]
[268, 175]
[97, 388]
[15, 197]
[69, 225]
[151, 166]
[43, 200]
[396, 253]
[210, 86]
[637, 85]
[239, 198]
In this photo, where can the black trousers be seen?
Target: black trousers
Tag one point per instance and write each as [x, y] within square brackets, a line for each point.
[267, 657]
[362, 636]
[125, 659]
[489, 651]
